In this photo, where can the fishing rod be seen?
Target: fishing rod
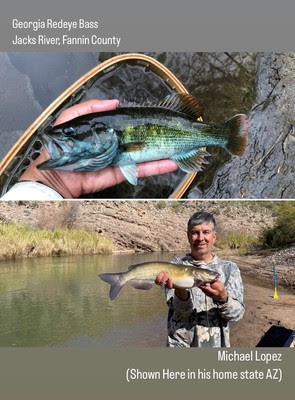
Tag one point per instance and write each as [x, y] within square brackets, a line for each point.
[274, 268]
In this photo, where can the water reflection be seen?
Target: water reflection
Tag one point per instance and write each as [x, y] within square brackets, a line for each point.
[29, 82]
[61, 301]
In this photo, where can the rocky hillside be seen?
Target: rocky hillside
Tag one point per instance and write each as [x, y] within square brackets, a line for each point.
[140, 225]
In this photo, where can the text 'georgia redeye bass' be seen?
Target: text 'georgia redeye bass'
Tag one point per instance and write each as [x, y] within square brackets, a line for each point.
[130, 135]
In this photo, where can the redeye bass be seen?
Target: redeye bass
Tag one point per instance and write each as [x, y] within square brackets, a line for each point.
[142, 276]
[130, 135]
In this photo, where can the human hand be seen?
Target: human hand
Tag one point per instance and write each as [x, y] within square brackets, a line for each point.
[216, 290]
[164, 279]
[74, 184]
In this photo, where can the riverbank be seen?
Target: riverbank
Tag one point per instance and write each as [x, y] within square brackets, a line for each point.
[141, 226]
[20, 241]
[267, 321]
[260, 267]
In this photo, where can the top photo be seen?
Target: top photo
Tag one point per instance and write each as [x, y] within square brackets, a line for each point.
[147, 125]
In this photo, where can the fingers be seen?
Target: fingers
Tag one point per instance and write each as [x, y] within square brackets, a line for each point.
[156, 168]
[163, 279]
[74, 184]
[87, 107]
[215, 290]
[111, 176]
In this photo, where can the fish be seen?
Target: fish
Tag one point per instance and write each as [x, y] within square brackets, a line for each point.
[142, 276]
[130, 135]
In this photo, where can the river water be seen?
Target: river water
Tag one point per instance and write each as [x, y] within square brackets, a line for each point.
[60, 301]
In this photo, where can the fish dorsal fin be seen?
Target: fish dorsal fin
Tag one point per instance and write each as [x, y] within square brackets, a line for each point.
[132, 266]
[176, 259]
[184, 103]
[180, 102]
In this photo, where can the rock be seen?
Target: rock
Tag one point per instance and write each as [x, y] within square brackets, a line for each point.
[267, 168]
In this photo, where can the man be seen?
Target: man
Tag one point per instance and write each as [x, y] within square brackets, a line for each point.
[199, 317]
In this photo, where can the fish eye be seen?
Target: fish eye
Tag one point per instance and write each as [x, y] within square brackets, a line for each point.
[69, 131]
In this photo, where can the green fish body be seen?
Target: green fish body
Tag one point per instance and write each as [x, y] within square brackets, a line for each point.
[130, 135]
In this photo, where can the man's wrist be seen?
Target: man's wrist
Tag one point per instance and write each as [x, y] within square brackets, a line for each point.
[223, 298]
[182, 294]
[50, 178]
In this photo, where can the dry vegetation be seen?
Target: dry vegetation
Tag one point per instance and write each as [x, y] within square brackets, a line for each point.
[52, 228]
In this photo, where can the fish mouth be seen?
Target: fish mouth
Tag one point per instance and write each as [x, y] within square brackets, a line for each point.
[53, 147]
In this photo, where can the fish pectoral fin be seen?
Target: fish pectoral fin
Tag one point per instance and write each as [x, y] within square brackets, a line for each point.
[141, 284]
[133, 146]
[192, 161]
[130, 173]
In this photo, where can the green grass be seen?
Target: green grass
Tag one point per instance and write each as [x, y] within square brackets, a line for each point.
[237, 241]
[17, 241]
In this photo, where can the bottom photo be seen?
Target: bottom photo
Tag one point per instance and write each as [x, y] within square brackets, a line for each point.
[147, 274]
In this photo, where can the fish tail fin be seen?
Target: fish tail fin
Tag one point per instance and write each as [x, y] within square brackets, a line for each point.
[115, 282]
[238, 130]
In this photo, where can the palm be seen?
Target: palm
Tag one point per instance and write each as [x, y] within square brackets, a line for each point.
[79, 183]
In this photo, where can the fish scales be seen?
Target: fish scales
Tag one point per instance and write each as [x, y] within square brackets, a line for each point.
[152, 269]
[142, 276]
[127, 136]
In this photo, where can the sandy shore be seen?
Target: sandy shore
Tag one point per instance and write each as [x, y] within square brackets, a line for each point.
[265, 317]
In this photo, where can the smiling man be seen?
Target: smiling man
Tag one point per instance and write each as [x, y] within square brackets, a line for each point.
[199, 317]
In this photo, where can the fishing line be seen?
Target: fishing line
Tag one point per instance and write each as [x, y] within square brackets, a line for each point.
[207, 318]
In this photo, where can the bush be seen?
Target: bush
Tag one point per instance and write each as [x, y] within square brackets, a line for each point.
[176, 206]
[283, 233]
[237, 241]
[160, 205]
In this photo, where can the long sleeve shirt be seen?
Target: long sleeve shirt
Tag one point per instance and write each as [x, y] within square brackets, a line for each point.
[201, 321]
[31, 191]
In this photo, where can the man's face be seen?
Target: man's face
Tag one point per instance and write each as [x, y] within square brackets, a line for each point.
[201, 239]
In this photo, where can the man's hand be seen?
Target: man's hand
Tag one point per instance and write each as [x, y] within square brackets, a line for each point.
[74, 184]
[164, 279]
[215, 290]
